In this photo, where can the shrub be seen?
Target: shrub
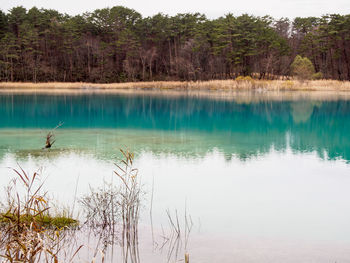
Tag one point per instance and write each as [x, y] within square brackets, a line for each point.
[317, 76]
[288, 84]
[242, 78]
[302, 68]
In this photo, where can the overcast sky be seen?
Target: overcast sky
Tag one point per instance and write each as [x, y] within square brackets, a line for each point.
[213, 9]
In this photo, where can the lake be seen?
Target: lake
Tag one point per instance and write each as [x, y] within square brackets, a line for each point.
[264, 177]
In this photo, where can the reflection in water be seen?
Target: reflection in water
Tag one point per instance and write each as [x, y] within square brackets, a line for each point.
[302, 110]
[280, 207]
[189, 125]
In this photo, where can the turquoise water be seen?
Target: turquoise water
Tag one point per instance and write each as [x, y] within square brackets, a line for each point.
[182, 124]
[268, 178]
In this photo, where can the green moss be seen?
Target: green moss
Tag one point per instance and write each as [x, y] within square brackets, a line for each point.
[44, 220]
[62, 221]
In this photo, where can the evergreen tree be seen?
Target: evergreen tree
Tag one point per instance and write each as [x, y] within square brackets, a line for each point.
[302, 68]
[118, 44]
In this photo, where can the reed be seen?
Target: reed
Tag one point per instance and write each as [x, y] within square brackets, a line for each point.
[112, 211]
[130, 193]
[102, 215]
[230, 84]
[176, 239]
[28, 233]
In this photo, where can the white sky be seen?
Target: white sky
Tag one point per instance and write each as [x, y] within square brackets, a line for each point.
[213, 9]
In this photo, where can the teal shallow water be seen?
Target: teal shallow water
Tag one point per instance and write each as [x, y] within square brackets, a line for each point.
[267, 178]
[181, 124]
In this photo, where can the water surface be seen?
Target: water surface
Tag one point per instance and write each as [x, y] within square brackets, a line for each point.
[264, 180]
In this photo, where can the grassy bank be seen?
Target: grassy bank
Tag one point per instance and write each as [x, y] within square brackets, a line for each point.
[243, 84]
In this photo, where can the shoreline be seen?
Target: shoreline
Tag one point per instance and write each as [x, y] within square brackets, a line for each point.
[240, 91]
[264, 85]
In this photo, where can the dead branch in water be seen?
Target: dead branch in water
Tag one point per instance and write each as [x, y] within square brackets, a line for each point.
[50, 137]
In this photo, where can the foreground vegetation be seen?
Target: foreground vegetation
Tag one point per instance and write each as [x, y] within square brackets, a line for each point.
[29, 233]
[110, 214]
[118, 45]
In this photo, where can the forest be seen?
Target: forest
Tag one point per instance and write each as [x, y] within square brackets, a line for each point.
[118, 44]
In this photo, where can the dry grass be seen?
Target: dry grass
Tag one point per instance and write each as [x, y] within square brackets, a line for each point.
[177, 239]
[113, 211]
[88, 86]
[27, 231]
[29, 234]
[242, 84]
[241, 91]
[273, 85]
[130, 192]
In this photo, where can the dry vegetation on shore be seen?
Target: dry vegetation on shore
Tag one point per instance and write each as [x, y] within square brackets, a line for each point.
[30, 233]
[241, 84]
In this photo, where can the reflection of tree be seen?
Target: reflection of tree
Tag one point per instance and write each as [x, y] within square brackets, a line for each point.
[180, 125]
[302, 110]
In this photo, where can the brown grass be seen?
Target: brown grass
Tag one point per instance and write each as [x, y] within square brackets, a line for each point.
[29, 234]
[27, 231]
[275, 85]
[241, 91]
[113, 211]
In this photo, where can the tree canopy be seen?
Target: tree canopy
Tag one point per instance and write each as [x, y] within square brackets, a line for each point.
[117, 44]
